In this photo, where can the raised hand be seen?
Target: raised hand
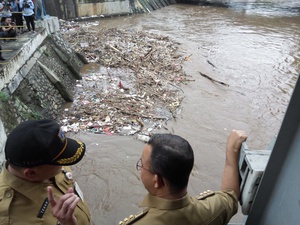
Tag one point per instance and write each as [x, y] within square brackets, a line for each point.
[63, 208]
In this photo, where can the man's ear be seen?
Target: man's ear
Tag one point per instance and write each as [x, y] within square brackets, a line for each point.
[158, 181]
[30, 174]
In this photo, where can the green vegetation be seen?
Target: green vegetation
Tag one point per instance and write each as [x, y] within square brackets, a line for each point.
[46, 53]
[4, 97]
[34, 116]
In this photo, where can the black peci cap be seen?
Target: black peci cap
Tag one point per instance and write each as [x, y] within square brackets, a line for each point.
[41, 142]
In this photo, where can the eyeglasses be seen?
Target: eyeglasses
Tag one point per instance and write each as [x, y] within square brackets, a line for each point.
[139, 166]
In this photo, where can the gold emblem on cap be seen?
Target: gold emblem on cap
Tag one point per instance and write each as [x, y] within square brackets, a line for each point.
[74, 157]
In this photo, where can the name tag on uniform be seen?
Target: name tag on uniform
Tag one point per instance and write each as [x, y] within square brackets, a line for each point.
[43, 208]
[78, 191]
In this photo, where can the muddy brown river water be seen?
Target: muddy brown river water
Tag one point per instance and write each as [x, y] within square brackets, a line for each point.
[255, 49]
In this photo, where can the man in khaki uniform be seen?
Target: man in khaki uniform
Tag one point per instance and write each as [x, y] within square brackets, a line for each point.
[38, 155]
[165, 166]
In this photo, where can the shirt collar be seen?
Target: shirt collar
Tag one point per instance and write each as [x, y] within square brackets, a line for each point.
[161, 203]
[27, 188]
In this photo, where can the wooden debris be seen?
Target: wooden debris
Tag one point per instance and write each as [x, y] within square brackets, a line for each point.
[140, 87]
[209, 62]
[213, 80]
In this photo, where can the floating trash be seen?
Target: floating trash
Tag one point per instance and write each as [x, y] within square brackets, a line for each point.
[137, 88]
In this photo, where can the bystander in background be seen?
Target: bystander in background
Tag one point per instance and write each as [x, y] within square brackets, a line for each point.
[39, 9]
[8, 29]
[6, 10]
[17, 16]
[28, 14]
[1, 57]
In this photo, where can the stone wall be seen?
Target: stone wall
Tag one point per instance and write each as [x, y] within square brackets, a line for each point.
[38, 93]
[42, 84]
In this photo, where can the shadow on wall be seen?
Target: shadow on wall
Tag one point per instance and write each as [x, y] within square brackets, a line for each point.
[63, 9]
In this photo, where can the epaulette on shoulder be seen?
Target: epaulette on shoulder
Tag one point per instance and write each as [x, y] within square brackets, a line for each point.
[205, 194]
[132, 218]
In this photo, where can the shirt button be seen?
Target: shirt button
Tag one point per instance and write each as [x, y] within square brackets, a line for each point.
[8, 194]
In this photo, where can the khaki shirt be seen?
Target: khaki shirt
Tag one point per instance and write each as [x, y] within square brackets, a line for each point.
[24, 202]
[209, 208]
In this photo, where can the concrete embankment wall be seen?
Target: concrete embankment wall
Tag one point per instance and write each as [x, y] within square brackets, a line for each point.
[70, 9]
[38, 80]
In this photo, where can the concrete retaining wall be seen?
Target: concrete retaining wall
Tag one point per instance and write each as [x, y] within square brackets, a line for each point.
[38, 80]
[104, 8]
[72, 9]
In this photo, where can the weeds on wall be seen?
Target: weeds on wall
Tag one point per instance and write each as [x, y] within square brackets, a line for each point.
[4, 97]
